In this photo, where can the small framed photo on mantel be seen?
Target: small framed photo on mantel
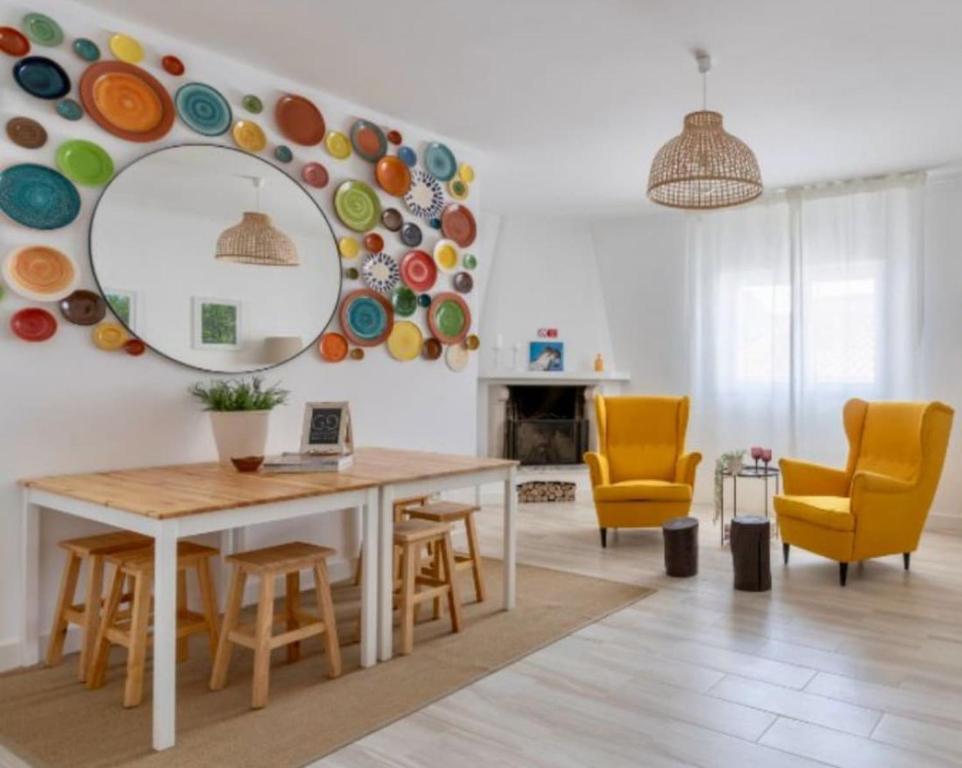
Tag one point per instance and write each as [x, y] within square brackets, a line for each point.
[327, 429]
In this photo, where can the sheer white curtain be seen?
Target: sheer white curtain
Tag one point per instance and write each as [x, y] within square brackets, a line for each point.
[797, 304]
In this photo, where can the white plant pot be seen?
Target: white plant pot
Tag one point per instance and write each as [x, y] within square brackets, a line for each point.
[239, 433]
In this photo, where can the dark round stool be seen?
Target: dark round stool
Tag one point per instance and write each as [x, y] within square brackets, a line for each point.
[751, 546]
[681, 546]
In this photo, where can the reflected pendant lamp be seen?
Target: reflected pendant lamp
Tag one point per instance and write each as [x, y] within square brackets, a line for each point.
[255, 240]
[704, 167]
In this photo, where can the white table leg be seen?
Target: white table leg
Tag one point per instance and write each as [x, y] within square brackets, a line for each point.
[386, 574]
[368, 531]
[29, 582]
[165, 625]
[510, 539]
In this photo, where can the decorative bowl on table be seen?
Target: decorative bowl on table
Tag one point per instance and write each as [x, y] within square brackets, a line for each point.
[247, 463]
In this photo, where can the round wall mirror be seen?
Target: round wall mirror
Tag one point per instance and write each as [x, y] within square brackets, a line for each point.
[215, 258]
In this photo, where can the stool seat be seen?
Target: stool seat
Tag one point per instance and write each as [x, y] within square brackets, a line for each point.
[442, 511]
[408, 531]
[105, 543]
[142, 560]
[282, 558]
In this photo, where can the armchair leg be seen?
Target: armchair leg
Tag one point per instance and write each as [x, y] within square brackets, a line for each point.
[604, 537]
[906, 556]
[842, 573]
[785, 548]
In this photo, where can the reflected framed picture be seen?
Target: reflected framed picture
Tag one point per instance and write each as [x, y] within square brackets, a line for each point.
[216, 323]
[546, 356]
[125, 305]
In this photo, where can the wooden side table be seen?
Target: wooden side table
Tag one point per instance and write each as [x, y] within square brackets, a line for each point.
[681, 546]
[751, 553]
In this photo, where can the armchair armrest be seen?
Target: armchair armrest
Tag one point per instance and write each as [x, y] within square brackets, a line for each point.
[598, 466]
[802, 478]
[685, 467]
[881, 494]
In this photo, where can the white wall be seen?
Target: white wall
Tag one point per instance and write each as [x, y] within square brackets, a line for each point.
[544, 275]
[67, 407]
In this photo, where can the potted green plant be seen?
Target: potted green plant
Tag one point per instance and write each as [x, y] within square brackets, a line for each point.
[240, 412]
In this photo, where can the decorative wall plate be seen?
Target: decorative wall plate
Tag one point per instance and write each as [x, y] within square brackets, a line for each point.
[446, 255]
[458, 189]
[248, 135]
[432, 349]
[373, 242]
[391, 219]
[299, 120]
[283, 154]
[470, 261]
[418, 271]
[408, 156]
[457, 357]
[466, 173]
[411, 235]
[109, 336]
[366, 317]
[172, 65]
[458, 224]
[449, 318]
[315, 174]
[440, 162]
[356, 354]
[348, 247]
[425, 198]
[380, 272]
[37, 196]
[83, 307]
[134, 347]
[42, 29]
[338, 145]
[405, 341]
[26, 132]
[13, 42]
[357, 205]
[86, 49]
[351, 273]
[368, 140]
[126, 101]
[332, 347]
[393, 175]
[203, 109]
[41, 77]
[126, 48]
[252, 104]
[424, 300]
[69, 109]
[85, 162]
[33, 324]
[463, 282]
[472, 342]
[40, 273]
[404, 301]
[394, 137]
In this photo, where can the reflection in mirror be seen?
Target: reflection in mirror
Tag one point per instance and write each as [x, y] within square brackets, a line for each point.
[215, 258]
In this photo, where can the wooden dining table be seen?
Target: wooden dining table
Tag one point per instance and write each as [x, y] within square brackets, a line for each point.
[168, 503]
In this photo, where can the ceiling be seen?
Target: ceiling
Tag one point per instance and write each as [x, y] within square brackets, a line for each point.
[572, 98]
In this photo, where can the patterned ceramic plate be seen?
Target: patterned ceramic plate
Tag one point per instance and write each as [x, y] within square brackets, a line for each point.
[126, 48]
[458, 189]
[439, 160]
[299, 120]
[425, 198]
[42, 29]
[405, 341]
[248, 135]
[40, 273]
[366, 317]
[203, 109]
[357, 205]
[457, 357]
[38, 197]
[458, 224]
[368, 140]
[449, 318]
[380, 272]
[337, 145]
[26, 132]
[126, 101]
[33, 324]
[418, 271]
[446, 255]
[85, 162]
[41, 77]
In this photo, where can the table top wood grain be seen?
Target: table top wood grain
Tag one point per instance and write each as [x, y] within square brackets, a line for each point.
[188, 489]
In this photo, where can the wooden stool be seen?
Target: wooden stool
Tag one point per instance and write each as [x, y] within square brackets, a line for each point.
[452, 512]
[410, 536]
[283, 560]
[681, 546]
[91, 549]
[751, 552]
[400, 506]
[130, 628]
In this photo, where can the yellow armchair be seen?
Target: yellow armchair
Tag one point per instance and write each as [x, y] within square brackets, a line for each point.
[641, 474]
[878, 503]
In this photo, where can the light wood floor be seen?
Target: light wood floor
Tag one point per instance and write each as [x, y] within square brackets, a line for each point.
[698, 674]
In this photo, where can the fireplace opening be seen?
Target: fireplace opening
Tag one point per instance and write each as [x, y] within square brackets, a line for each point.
[546, 425]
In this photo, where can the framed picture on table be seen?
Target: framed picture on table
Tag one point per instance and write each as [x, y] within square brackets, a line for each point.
[327, 429]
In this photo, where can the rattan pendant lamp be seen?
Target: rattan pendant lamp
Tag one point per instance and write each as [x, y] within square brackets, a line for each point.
[255, 240]
[704, 167]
